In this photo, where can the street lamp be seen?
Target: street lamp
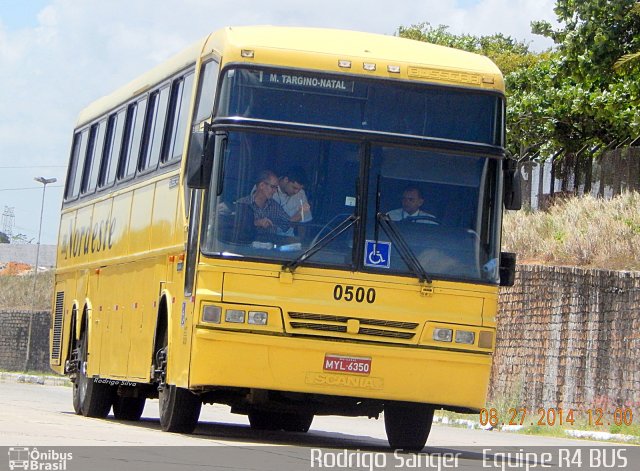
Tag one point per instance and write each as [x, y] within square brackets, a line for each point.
[45, 182]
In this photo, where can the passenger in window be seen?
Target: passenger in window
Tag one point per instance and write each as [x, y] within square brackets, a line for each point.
[268, 216]
[292, 197]
[412, 201]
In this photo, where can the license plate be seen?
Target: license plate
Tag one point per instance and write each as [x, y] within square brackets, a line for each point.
[345, 364]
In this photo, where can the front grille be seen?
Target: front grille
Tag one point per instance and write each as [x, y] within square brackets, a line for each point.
[388, 329]
[58, 317]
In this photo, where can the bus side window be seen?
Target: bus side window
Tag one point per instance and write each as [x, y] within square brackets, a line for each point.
[132, 138]
[77, 164]
[206, 91]
[113, 142]
[88, 164]
[178, 112]
[154, 128]
[94, 155]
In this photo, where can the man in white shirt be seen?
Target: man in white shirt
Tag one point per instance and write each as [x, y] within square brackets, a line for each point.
[291, 196]
[412, 201]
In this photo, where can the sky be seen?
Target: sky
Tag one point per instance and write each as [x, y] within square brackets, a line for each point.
[57, 56]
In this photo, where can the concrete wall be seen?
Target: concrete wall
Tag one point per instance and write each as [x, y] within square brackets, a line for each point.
[14, 332]
[569, 337]
[26, 253]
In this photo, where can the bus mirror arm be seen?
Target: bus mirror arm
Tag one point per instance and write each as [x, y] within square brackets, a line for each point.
[512, 185]
[200, 158]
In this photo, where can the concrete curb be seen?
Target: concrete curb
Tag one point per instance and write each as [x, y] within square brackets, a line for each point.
[46, 380]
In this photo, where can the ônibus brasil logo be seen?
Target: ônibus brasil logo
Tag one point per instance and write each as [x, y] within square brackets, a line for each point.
[34, 459]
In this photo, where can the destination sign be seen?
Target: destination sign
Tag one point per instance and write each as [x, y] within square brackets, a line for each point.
[308, 81]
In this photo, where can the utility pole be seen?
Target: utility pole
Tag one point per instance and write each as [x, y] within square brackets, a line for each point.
[45, 182]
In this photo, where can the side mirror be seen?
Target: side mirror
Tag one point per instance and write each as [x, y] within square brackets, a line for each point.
[507, 268]
[512, 185]
[200, 159]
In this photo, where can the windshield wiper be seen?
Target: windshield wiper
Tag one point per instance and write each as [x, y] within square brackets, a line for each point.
[406, 253]
[331, 235]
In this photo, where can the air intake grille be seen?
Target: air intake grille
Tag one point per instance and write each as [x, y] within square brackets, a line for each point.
[58, 317]
[338, 325]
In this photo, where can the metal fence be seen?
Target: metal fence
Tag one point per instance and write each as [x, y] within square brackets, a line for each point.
[562, 175]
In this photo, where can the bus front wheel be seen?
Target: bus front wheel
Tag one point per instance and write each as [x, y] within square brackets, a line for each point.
[179, 409]
[407, 425]
[91, 397]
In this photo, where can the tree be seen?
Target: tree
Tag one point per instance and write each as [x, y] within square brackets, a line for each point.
[3, 238]
[588, 103]
[593, 35]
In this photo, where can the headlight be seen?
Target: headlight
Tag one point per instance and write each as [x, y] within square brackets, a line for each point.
[234, 315]
[463, 336]
[442, 335]
[258, 317]
[211, 314]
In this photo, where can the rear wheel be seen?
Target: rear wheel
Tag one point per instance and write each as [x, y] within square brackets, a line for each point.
[128, 408]
[91, 398]
[407, 424]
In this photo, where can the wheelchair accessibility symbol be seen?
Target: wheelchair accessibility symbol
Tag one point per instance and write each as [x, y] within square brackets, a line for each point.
[377, 254]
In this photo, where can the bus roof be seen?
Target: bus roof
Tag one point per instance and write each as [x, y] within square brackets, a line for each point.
[319, 49]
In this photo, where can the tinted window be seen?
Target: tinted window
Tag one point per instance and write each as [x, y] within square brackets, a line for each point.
[96, 144]
[79, 154]
[178, 115]
[206, 91]
[132, 139]
[157, 117]
[355, 103]
[112, 148]
[73, 165]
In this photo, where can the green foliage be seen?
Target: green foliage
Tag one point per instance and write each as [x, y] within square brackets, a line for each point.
[593, 35]
[4, 239]
[569, 99]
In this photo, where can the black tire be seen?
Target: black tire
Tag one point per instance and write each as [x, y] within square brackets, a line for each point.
[128, 408]
[90, 398]
[264, 420]
[407, 425]
[296, 422]
[179, 409]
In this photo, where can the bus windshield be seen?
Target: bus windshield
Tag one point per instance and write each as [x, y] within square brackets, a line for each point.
[350, 102]
[442, 205]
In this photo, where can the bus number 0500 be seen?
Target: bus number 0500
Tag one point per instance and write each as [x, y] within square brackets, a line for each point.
[351, 293]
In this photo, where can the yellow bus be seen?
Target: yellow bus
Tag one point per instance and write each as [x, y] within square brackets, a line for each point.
[292, 222]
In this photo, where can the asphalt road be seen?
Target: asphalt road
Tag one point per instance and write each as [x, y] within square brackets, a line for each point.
[42, 416]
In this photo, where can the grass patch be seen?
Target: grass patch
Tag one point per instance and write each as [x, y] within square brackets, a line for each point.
[17, 291]
[583, 231]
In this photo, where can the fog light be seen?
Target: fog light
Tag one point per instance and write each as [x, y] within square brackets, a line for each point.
[464, 336]
[234, 315]
[211, 314]
[442, 335]
[258, 317]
